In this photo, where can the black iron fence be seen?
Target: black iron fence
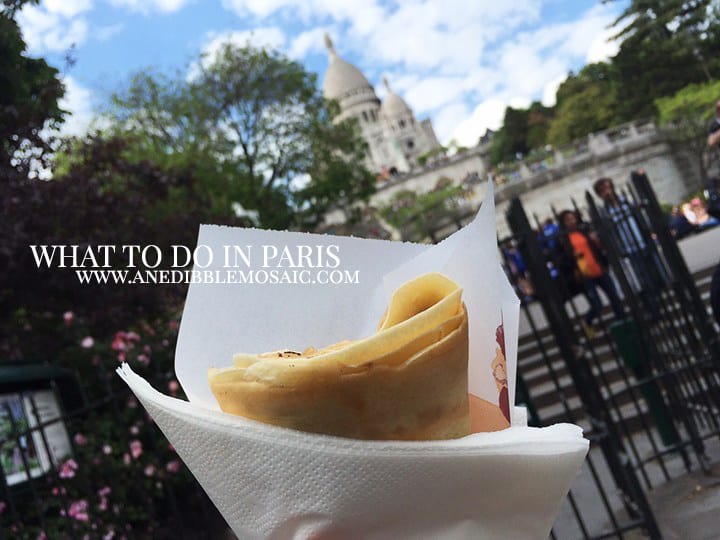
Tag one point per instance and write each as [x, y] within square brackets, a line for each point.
[642, 378]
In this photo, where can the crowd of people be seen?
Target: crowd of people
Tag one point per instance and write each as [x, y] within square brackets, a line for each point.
[576, 258]
[577, 261]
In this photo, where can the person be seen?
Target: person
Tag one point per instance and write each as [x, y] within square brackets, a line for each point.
[679, 224]
[704, 219]
[689, 214]
[518, 270]
[550, 230]
[591, 264]
[632, 242]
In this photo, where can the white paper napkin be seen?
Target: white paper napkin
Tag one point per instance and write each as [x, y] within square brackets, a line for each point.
[275, 483]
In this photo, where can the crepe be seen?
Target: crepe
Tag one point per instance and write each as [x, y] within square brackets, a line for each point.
[408, 381]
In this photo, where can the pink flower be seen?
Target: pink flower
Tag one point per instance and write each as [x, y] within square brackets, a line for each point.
[78, 510]
[3, 505]
[68, 318]
[165, 342]
[135, 448]
[121, 356]
[147, 349]
[134, 430]
[132, 403]
[106, 449]
[173, 466]
[173, 325]
[80, 439]
[143, 359]
[173, 386]
[87, 342]
[58, 491]
[118, 342]
[126, 458]
[68, 468]
[104, 491]
[149, 470]
[109, 536]
[42, 536]
[132, 336]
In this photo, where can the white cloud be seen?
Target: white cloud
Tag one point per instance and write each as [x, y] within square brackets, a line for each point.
[148, 6]
[433, 92]
[446, 120]
[550, 91]
[603, 47]
[488, 115]
[44, 30]
[461, 62]
[78, 102]
[104, 33]
[310, 41]
[68, 8]
[269, 36]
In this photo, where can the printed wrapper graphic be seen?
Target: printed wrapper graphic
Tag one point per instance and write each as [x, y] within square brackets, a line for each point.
[271, 482]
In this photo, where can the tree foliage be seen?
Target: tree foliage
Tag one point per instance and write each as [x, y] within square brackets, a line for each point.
[686, 116]
[29, 94]
[523, 129]
[586, 102]
[665, 45]
[252, 125]
[103, 199]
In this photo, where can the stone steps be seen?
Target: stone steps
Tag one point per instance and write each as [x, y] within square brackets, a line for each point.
[550, 386]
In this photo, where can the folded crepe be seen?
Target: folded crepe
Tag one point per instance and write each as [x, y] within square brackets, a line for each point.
[408, 381]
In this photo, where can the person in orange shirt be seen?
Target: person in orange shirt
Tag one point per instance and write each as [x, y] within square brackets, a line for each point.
[591, 266]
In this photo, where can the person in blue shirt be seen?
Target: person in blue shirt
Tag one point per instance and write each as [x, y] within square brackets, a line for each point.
[634, 243]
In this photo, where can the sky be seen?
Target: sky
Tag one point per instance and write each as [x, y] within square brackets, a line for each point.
[458, 62]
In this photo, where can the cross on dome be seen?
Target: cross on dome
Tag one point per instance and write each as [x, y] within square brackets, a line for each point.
[329, 43]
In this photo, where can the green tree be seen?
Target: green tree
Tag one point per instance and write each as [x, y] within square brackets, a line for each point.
[538, 124]
[586, 103]
[29, 94]
[522, 130]
[665, 45]
[686, 116]
[253, 126]
[511, 139]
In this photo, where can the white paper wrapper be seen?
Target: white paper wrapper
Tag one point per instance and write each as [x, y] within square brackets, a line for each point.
[271, 482]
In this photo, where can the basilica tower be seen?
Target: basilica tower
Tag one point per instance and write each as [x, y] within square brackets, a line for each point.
[395, 138]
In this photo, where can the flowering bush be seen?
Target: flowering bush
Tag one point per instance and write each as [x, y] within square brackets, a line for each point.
[122, 479]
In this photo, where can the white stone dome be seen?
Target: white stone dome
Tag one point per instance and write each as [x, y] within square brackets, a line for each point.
[342, 77]
[393, 105]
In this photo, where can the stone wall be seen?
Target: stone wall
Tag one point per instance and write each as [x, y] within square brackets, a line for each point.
[555, 177]
[614, 153]
[457, 167]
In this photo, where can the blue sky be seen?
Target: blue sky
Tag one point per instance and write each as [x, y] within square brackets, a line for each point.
[459, 62]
